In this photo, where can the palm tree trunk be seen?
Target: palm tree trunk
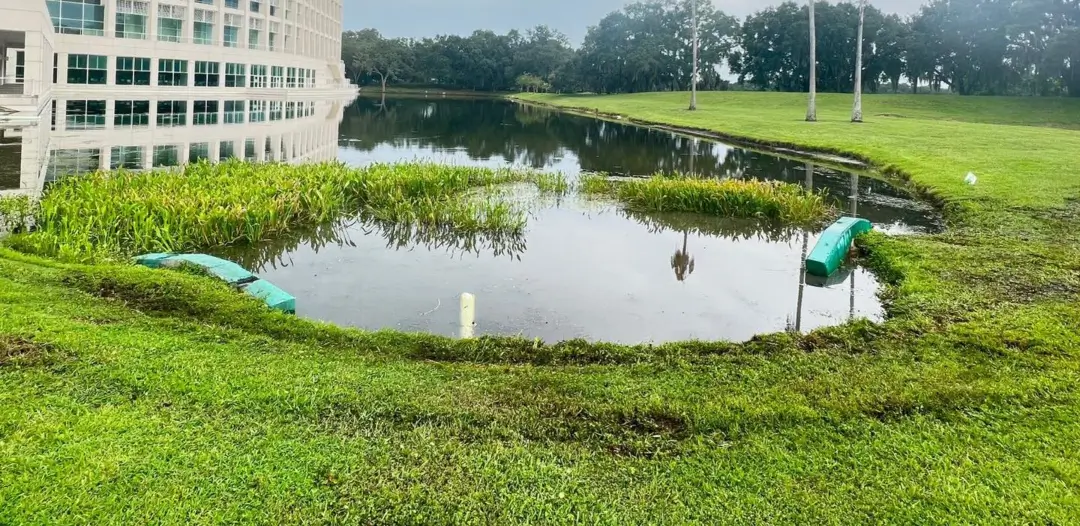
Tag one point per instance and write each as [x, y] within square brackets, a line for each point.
[856, 112]
[811, 111]
[694, 75]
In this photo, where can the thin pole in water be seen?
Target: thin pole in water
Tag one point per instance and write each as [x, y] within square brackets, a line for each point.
[468, 315]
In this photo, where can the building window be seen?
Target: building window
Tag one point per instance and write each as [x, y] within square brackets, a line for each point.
[166, 155]
[77, 17]
[170, 22]
[258, 111]
[235, 74]
[85, 114]
[255, 5]
[268, 150]
[63, 163]
[126, 157]
[172, 72]
[131, 113]
[207, 74]
[206, 112]
[275, 110]
[249, 151]
[87, 69]
[232, 30]
[273, 7]
[20, 66]
[232, 4]
[172, 113]
[203, 30]
[234, 112]
[226, 150]
[207, 2]
[132, 71]
[290, 78]
[198, 151]
[131, 17]
[258, 76]
[275, 28]
[277, 77]
[290, 110]
[255, 26]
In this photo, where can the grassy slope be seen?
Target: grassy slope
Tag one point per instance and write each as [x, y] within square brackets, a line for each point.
[132, 396]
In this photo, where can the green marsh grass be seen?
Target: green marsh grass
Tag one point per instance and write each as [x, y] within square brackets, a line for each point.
[735, 198]
[211, 205]
[16, 213]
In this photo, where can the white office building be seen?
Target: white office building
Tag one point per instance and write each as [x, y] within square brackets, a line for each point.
[145, 83]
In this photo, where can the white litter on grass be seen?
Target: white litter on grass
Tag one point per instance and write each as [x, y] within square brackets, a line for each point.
[971, 179]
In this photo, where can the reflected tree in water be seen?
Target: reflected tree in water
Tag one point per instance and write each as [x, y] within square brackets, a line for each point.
[682, 262]
[277, 253]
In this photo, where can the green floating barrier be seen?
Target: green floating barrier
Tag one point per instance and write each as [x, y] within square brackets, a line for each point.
[222, 269]
[274, 297]
[836, 278]
[830, 250]
[152, 260]
[226, 271]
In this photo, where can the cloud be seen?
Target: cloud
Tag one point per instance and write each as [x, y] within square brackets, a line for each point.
[422, 18]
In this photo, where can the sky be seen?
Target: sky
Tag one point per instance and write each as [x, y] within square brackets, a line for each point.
[424, 18]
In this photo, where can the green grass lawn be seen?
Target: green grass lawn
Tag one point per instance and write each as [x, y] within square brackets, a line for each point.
[130, 396]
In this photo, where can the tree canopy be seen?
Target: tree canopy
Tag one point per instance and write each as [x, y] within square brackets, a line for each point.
[971, 47]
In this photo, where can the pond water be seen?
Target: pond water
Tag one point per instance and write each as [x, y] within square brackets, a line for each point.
[585, 268]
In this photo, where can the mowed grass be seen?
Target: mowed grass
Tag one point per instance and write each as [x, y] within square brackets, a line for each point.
[137, 396]
[1024, 150]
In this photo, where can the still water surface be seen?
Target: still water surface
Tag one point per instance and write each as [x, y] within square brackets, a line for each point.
[585, 268]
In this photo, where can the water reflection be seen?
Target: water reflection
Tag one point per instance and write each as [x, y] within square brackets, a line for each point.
[152, 133]
[274, 254]
[497, 133]
[582, 269]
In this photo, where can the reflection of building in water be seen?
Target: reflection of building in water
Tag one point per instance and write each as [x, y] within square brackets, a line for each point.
[149, 135]
[153, 134]
[144, 83]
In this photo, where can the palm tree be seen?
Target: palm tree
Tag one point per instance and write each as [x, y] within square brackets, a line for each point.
[694, 77]
[811, 111]
[682, 262]
[856, 113]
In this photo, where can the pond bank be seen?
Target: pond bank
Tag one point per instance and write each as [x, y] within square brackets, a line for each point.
[140, 397]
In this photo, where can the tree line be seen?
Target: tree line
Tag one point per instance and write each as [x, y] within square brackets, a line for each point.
[971, 47]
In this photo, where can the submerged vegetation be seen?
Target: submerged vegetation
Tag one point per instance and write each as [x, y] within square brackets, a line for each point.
[735, 198]
[211, 205]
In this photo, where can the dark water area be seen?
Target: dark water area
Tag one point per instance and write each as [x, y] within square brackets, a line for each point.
[585, 268]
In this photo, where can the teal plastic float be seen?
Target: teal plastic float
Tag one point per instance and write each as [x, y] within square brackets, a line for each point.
[229, 272]
[833, 246]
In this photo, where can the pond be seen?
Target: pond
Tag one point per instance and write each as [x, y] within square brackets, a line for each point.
[585, 268]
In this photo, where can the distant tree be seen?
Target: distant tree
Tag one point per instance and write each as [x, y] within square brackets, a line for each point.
[373, 54]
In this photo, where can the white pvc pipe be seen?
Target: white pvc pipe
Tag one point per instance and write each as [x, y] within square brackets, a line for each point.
[468, 315]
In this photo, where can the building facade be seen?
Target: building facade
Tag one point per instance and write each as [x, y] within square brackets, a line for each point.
[141, 83]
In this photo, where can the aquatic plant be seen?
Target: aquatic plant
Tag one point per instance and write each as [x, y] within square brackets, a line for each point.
[738, 198]
[16, 213]
[551, 183]
[210, 205]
